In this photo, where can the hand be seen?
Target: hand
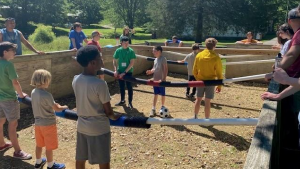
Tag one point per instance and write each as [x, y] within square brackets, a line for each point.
[268, 95]
[268, 77]
[148, 72]
[23, 95]
[116, 74]
[280, 76]
[218, 89]
[116, 116]
[40, 52]
[74, 49]
[122, 75]
[65, 107]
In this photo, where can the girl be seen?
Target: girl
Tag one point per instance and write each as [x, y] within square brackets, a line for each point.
[76, 37]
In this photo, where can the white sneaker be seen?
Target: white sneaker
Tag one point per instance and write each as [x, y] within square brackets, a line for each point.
[152, 113]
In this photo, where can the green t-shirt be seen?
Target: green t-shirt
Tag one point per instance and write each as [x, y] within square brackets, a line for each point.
[7, 74]
[124, 57]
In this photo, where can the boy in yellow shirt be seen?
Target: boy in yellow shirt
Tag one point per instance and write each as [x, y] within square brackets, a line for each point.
[207, 66]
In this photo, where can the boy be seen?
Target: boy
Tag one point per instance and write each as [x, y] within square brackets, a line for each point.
[95, 41]
[9, 105]
[123, 62]
[93, 110]
[159, 71]
[190, 59]
[207, 66]
[43, 107]
[174, 40]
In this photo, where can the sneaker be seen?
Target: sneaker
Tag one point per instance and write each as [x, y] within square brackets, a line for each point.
[130, 105]
[152, 113]
[187, 95]
[22, 155]
[120, 103]
[40, 166]
[6, 146]
[57, 166]
[192, 96]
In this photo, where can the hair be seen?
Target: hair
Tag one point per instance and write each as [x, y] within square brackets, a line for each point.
[125, 27]
[9, 19]
[124, 38]
[195, 46]
[285, 28]
[5, 46]
[87, 54]
[40, 77]
[249, 33]
[174, 37]
[210, 43]
[75, 25]
[158, 48]
[95, 33]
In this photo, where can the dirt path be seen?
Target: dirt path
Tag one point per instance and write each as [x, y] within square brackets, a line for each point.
[161, 146]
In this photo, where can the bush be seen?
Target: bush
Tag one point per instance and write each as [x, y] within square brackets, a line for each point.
[42, 34]
[112, 35]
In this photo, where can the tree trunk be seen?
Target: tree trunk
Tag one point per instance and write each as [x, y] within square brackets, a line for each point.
[199, 27]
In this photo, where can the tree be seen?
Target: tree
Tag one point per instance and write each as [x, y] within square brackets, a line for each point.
[89, 10]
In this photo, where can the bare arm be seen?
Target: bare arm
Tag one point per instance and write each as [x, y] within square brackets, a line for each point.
[115, 64]
[1, 37]
[28, 45]
[285, 93]
[166, 43]
[290, 57]
[18, 88]
[109, 112]
[85, 40]
[57, 107]
[74, 43]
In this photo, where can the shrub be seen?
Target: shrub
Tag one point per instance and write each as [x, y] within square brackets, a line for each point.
[42, 34]
[112, 35]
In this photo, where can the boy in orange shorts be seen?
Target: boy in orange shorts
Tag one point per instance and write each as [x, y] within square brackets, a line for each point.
[43, 106]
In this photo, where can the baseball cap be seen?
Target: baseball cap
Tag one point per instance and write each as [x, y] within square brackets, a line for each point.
[294, 14]
[124, 38]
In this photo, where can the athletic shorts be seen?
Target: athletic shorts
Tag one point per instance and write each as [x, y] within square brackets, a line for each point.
[10, 110]
[46, 136]
[208, 90]
[95, 149]
[159, 90]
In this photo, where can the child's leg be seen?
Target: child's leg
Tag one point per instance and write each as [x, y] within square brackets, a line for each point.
[197, 106]
[2, 121]
[49, 155]
[154, 100]
[207, 108]
[104, 166]
[12, 132]
[80, 164]
[163, 95]
[38, 152]
[163, 99]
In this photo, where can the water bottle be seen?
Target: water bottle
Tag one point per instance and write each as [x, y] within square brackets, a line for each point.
[278, 60]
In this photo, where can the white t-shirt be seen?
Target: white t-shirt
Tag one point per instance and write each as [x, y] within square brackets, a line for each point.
[190, 59]
[285, 47]
[91, 93]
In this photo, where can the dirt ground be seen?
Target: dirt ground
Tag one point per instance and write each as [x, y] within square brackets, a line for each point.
[161, 146]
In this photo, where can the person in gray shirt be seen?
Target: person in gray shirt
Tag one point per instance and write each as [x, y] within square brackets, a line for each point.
[159, 71]
[43, 107]
[190, 59]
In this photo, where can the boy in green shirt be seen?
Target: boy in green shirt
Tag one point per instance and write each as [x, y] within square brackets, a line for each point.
[123, 62]
[9, 105]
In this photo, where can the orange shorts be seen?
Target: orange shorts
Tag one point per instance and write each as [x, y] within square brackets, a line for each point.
[46, 136]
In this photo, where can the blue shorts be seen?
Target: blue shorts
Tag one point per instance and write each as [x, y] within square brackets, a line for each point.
[160, 91]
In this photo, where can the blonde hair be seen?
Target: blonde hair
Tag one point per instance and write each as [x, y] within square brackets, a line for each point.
[210, 43]
[40, 77]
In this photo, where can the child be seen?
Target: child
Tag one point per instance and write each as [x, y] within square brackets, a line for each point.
[190, 59]
[43, 107]
[76, 37]
[95, 38]
[9, 105]
[207, 66]
[93, 110]
[159, 71]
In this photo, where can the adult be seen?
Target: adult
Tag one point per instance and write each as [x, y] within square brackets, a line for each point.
[249, 40]
[123, 62]
[284, 35]
[128, 33]
[76, 37]
[12, 35]
[174, 40]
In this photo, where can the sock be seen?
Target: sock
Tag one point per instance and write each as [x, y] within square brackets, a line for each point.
[153, 108]
[196, 116]
[38, 161]
[50, 164]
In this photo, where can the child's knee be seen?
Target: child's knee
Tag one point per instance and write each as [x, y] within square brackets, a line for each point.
[13, 123]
